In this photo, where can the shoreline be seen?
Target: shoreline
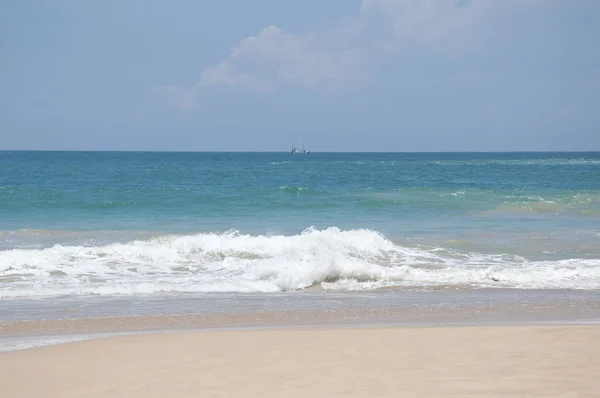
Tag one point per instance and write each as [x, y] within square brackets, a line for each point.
[25, 335]
[355, 362]
[30, 323]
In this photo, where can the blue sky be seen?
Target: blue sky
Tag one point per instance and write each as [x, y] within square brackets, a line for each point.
[338, 75]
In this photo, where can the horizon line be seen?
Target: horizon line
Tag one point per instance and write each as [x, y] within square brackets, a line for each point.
[287, 151]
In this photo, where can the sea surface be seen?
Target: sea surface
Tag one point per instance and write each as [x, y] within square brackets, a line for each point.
[80, 224]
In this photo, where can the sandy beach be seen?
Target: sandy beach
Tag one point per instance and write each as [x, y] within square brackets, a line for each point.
[523, 361]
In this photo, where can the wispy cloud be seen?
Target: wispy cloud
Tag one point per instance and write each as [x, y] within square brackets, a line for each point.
[426, 22]
[178, 97]
[273, 57]
[288, 58]
[435, 23]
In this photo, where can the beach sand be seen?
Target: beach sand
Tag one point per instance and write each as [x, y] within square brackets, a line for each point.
[523, 361]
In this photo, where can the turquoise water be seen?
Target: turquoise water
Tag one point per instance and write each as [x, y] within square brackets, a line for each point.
[121, 223]
[263, 192]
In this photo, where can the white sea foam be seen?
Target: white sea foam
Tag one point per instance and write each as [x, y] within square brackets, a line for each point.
[330, 259]
[27, 342]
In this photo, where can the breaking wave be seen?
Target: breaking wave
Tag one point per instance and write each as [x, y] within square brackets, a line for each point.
[235, 262]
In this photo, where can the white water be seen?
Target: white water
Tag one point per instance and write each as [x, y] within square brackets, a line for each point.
[230, 262]
[27, 342]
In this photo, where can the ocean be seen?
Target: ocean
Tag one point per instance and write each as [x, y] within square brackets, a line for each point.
[85, 226]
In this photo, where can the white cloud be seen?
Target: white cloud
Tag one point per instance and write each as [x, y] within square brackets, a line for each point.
[302, 60]
[435, 22]
[273, 57]
[222, 74]
[426, 21]
[179, 97]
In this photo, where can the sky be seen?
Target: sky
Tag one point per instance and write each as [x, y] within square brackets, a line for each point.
[338, 75]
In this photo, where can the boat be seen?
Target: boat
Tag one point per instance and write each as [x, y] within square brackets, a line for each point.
[299, 152]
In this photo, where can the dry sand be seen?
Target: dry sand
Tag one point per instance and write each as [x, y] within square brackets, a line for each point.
[410, 362]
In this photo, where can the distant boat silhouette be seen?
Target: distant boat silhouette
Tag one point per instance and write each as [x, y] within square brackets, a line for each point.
[299, 152]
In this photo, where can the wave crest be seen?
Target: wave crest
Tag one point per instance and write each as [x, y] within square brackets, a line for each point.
[233, 261]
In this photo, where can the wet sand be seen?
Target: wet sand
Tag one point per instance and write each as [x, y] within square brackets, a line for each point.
[389, 309]
[523, 361]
